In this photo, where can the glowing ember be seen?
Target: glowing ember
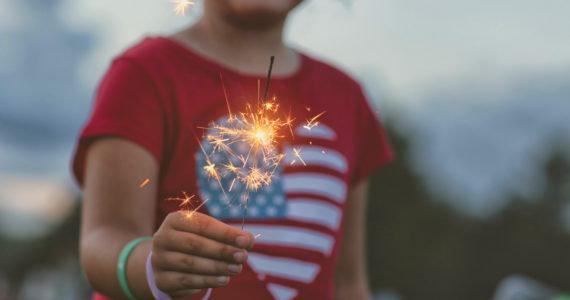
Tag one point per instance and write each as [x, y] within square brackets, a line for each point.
[144, 183]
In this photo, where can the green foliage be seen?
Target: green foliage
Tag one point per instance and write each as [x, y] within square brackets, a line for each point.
[423, 249]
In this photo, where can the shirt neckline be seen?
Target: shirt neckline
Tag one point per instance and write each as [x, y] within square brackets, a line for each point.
[216, 66]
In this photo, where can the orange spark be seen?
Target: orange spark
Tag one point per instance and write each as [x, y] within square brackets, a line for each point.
[257, 235]
[144, 183]
[313, 121]
[185, 201]
[192, 212]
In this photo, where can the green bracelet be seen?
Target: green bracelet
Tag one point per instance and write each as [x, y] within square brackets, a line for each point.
[122, 265]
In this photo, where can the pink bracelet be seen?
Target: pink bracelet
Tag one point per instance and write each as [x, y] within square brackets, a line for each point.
[158, 294]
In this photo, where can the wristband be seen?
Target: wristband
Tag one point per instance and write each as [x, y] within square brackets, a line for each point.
[158, 294]
[122, 265]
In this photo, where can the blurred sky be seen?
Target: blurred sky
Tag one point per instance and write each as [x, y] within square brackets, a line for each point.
[482, 87]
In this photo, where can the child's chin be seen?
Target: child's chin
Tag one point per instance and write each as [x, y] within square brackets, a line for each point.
[259, 13]
[260, 19]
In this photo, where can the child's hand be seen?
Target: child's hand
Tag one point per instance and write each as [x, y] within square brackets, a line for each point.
[189, 254]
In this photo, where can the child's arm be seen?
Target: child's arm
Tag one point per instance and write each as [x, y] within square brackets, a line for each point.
[350, 277]
[186, 257]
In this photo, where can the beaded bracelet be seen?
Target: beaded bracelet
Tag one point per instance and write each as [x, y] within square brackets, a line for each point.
[122, 265]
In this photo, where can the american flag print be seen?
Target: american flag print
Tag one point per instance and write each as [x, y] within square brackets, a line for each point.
[311, 195]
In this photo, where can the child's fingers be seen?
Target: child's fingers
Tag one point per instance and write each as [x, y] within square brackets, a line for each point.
[197, 245]
[180, 262]
[212, 228]
[172, 282]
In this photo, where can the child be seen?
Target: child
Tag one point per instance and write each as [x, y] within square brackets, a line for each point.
[153, 99]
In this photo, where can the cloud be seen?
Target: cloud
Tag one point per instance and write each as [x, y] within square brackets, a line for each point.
[478, 146]
[411, 44]
[117, 25]
[414, 44]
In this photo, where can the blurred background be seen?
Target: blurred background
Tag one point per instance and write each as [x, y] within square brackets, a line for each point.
[475, 96]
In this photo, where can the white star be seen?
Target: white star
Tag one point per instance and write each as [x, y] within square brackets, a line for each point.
[234, 211]
[271, 210]
[214, 185]
[215, 210]
[278, 200]
[261, 200]
[254, 211]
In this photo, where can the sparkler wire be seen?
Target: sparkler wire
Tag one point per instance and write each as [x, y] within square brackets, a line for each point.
[271, 60]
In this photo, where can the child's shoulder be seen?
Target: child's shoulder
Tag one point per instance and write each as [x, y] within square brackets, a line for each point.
[330, 72]
[155, 54]
[148, 48]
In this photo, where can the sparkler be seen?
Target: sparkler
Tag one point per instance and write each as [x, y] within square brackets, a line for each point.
[259, 129]
[248, 141]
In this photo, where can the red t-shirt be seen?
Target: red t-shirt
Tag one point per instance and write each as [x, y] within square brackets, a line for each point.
[159, 93]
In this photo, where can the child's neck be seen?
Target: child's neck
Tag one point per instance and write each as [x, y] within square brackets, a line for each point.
[246, 50]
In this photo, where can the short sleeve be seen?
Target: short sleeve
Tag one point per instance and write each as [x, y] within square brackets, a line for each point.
[127, 105]
[373, 148]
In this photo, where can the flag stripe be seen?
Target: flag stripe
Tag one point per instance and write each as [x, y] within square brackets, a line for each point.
[314, 211]
[281, 292]
[316, 184]
[289, 236]
[283, 267]
[314, 156]
[320, 131]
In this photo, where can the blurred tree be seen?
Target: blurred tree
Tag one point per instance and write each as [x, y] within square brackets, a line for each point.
[423, 249]
[20, 258]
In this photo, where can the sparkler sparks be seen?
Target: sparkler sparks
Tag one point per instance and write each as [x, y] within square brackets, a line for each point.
[243, 148]
[298, 155]
[313, 121]
[181, 6]
[186, 204]
[257, 130]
